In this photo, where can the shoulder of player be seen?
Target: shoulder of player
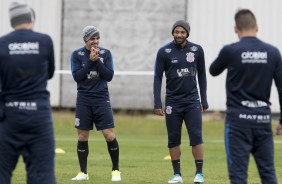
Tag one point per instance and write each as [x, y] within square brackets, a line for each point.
[166, 48]
[104, 50]
[229, 47]
[260, 45]
[5, 37]
[32, 36]
[189, 44]
[80, 51]
[2, 39]
[193, 47]
[269, 47]
[42, 36]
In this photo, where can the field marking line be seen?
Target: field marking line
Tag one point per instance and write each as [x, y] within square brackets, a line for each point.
[147, 140]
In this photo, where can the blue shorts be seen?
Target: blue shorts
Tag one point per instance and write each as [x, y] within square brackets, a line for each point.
[28, 133]
[192, 117]
[101, 116]
[240, 143]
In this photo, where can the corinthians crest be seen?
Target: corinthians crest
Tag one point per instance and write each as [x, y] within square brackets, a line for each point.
[168, 109]
[190, 57]
[77, 122]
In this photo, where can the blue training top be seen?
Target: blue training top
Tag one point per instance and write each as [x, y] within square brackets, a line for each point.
[92, 76]
[26, 63]
[181, 65]
[251, 66]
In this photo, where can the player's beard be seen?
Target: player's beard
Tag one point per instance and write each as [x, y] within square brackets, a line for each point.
[179, 40]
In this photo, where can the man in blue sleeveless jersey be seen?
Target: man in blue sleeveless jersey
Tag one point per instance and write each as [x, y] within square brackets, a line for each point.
[182, 61]
[26, 63]
[251, 66]
[92, 68]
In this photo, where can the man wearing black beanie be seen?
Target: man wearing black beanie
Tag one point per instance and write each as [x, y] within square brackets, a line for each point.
[182, 60]
[26, 127]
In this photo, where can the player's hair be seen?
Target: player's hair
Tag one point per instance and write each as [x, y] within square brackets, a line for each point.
[245, 20]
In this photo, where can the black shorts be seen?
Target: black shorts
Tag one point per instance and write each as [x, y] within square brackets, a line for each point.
[192, 117]
[101, 116]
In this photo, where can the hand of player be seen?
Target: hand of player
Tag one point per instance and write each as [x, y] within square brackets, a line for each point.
[279, 130]
[94, 55]
[159, 112]
[202, 108]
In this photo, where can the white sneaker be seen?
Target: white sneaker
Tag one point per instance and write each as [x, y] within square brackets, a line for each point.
[176, 179]
[116, 175]
[81, 176]
[199, 178]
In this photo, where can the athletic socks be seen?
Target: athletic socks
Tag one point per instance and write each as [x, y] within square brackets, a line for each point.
[82, 153]
[176, 166]
[113, 149]
[199, 166]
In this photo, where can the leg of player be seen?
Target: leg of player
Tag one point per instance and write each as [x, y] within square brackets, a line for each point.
[174, 122]
[82, 153]
[263, 152]
[198, 153]
[238, 146]
[113, 149]
[9, 162]
[193, 122]
[175, 154]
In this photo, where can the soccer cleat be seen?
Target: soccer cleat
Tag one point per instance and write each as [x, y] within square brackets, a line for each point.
[199, 178]
[81, 176]
[116, 175]
[176, 179]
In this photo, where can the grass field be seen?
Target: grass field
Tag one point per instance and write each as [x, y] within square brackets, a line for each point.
[143, 146]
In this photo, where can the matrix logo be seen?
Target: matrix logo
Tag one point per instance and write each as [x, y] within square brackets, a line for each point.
[256, 117]
[23, 48]
[22, 105]
[254, 57]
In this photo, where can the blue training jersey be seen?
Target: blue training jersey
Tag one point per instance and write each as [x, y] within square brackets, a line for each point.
[251, 66]
[181, 65]
[26, 63]
[92, 77]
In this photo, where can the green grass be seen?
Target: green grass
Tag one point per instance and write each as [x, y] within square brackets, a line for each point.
[143, 145]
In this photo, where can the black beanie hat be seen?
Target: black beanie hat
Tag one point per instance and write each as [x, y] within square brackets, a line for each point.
[20, 13]
[183, 24]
